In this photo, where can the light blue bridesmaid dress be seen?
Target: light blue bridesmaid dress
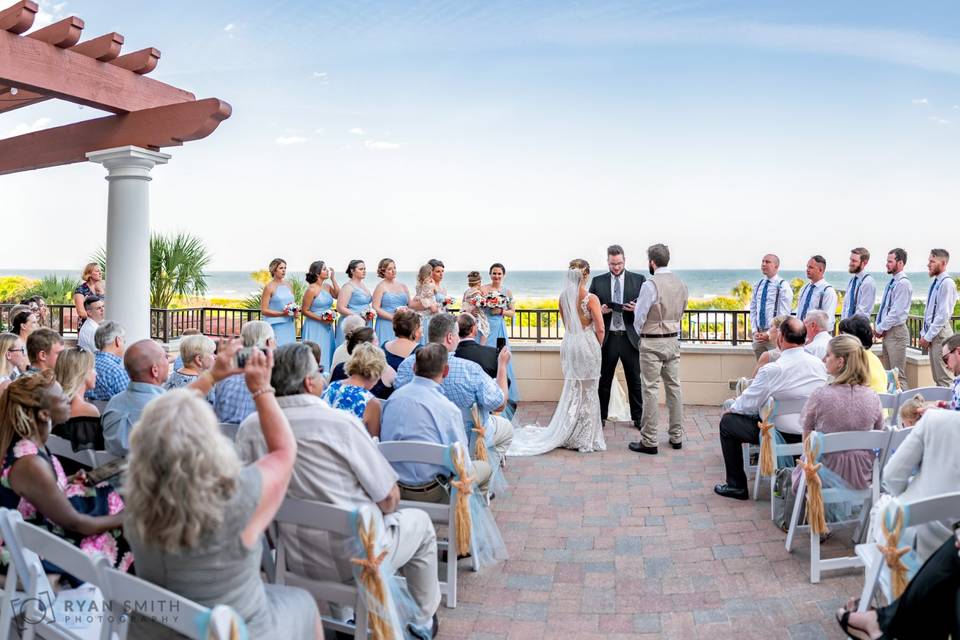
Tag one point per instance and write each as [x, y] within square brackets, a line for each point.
[498, 329]
[321, 332]
[359, 302]
[284, 328]
[389, 303]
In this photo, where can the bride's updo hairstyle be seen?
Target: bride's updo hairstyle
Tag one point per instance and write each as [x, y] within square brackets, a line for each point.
[353, 267]
[581, 264]
[313, 273]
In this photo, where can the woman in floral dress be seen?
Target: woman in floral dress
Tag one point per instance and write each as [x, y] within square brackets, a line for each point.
[33, 482]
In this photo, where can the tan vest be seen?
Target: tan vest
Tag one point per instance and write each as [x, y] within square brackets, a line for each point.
[665, 314]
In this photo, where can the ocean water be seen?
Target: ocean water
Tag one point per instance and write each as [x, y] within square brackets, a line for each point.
[702, 283]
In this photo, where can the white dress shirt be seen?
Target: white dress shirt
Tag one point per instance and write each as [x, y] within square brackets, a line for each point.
[821, 295]
[616, 320]
[818, 346]
[647, 298]
[865, 297]
[793, 376]
[779, 301]
[896, 306]
[941, 299]
[87, 332]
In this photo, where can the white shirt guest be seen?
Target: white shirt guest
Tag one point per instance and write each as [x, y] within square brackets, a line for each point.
[819, 331]
[94, 307]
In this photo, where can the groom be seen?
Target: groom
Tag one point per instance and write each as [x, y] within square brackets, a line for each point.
[618, 290]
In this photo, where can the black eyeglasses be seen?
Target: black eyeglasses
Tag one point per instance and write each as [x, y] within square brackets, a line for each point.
[946, 358]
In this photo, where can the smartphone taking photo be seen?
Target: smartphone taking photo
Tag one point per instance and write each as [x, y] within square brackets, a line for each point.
[501, 343]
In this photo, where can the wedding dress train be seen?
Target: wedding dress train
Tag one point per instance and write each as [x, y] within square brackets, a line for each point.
[576, 421]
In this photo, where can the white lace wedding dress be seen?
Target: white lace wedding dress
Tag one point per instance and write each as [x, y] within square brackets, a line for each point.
[576, 422]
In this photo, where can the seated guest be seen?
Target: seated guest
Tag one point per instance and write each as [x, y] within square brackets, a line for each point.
[232, 402]
[846, 404]
[33, 479]
[384, 384]
[146, 364]
[912, 410]
[39, 307]
[76, 376]
[337, 462]
[196, 514]
[94, 307]
[352, 394]
[196, 352]
[43, 347]
[469, 349]
[794, 376]
[349, 325]
[950, 354]
[406, 328]
[24, 323]
[819, 326]
[467, 384]
[110, 345]
[178, 362]
[772, 354]
[932, 448]
[13, 357]
[929, 608]
[859, 327]
[420, 412]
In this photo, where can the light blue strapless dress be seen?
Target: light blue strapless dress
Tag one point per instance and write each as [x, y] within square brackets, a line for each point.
[389, 303]
[321, 332]
[498, 329]
[284, 328]
[359, 302]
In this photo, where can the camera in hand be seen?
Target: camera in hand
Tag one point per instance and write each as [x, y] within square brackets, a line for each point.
[501, 343]
[245, 353]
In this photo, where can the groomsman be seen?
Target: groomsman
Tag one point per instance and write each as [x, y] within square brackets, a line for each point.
[861, 290]
[891, 322]
[656, 318]
[941, 299]
[771, 297]
[816, 294]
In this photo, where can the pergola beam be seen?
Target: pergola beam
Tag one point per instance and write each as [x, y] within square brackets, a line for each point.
[36, 66]
[140, 62]
[62, 34]
[19, 17]
[166, 126]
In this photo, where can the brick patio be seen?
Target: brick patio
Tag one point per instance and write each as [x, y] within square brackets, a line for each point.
[619, 545]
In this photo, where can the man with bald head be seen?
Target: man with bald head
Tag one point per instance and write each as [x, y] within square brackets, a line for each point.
[771, 297]
[146, 364]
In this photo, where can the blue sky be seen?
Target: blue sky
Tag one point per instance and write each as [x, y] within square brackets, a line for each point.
[531, 132]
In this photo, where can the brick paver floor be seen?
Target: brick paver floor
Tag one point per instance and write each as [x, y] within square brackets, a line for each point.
[624, 545]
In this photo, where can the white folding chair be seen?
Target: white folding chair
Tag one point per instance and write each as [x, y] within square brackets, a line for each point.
[62, 448]
[128, 594]
[896, 439]
[781, 408]
[229, 430]
[890, 402]
[332, 519]
[435, 454]
[26, 544]
[929, 394]
[837, 443]
[942, 507]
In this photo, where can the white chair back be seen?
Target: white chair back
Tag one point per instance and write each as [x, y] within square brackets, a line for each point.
[890, 402]
[166, 608]
[412, 451]
[229, 430]
[930, 394]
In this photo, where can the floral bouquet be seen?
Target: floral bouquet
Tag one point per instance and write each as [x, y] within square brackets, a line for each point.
[369, 314]
[328, 316]
[291, 308]
[447, 301]
[477, 300]
[497, 300]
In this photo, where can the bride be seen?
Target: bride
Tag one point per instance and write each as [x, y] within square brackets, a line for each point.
[576, 422]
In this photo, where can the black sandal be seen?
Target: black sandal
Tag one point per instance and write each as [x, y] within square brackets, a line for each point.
[849, 629]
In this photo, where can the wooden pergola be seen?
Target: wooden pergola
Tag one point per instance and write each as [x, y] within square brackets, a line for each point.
[52, 63]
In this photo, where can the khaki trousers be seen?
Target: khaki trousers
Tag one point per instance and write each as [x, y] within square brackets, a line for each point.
[440, 494]
[894, 352]
[412, 549]
[660, 358]
[759, 348]
[941, 376]
[502, 435]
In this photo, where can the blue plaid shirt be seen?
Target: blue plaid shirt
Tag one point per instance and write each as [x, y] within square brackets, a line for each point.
[466, 385]
[232, 401]
[112, 378]
[955, 405]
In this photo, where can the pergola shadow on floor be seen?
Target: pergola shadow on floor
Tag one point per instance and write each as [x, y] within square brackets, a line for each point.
[619, 545]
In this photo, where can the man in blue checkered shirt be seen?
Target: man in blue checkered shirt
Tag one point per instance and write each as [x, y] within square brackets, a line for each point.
[112, 378]
[467, 384]
[233, 401]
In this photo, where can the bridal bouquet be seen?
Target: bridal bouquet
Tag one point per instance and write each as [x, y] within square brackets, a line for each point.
[291, 308]
[497, 300]
[477, 300]
[447, 301]
[328, 316]
[369, 314]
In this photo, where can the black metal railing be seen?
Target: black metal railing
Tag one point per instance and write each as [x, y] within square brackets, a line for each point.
[708, 326]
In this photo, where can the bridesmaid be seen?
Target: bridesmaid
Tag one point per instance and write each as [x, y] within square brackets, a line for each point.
[441, 295]
[317, 307]
[496, 315]
[277, 306]
[354, 298]
[388, 296]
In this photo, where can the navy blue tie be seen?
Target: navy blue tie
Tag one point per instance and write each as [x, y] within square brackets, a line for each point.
[853, 294]
[762, 319]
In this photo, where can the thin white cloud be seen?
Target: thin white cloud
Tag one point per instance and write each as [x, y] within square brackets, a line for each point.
[230, 27]
[921, 101]
[319, 131]
[939, 120]
[28, 127]
[380, 145]
[288, 140]
[357, 131]
[956, 107]
[322, 75]
[48, 12]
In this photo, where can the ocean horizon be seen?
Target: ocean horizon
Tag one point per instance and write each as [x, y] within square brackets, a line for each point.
[702, 283]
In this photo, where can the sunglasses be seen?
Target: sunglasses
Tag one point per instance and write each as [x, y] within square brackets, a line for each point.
[946, 358]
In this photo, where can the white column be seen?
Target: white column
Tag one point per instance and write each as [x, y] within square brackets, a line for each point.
[128, 235]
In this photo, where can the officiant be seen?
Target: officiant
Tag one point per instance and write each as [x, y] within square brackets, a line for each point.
[617, 290]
